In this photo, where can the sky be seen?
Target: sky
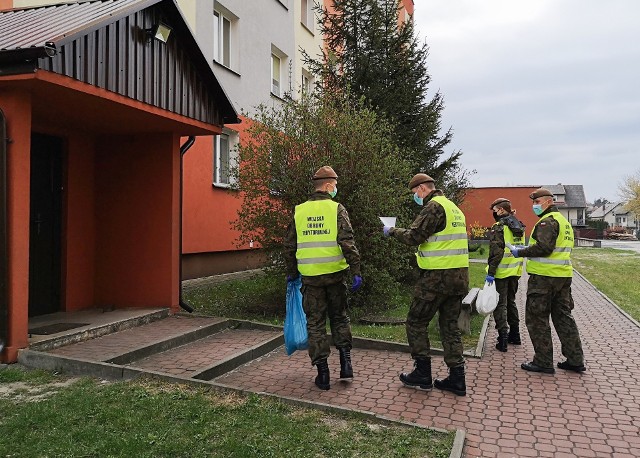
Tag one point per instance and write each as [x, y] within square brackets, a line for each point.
[538, 91]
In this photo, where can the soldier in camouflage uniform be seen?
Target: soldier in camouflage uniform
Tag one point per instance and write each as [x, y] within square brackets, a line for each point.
[320, 245]
[440, 234]
[505, 270]
[549, 288]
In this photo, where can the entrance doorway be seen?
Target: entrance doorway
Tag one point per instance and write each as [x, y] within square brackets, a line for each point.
[45, 229]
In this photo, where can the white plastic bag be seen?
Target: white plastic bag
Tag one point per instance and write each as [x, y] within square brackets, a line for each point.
[487, 299]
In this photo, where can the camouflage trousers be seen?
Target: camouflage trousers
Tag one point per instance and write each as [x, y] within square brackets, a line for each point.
[551, 296]
[422, 311]
[506, 313]
[320, 302]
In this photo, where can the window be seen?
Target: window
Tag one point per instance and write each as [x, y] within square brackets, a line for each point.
[307, 83]
[221, 39]
[275, 74]
[306, 13]
[225, 157]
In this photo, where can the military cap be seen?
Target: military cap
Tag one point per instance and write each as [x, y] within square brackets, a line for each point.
[418, 179]
[325, 172]
[540, 192]
[499, 200]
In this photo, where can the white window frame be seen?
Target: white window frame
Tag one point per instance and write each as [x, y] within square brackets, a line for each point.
[222, 172]
[276, 76]
[306, 14]
[224, 37]
[306, 83]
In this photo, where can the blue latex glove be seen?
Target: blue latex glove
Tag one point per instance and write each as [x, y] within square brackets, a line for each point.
[386, 230]
[357, 283]
[292, 278]
[489, 279]
[515, 253]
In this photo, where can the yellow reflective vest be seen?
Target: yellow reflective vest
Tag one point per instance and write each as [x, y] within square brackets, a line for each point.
[318, 252]
[558, 263]
[509, 266]
[449, 248]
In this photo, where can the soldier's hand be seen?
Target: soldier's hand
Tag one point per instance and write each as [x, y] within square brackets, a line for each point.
[489, 279]
[357, 283]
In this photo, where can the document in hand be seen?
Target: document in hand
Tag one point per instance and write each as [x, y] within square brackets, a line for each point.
[388, 220]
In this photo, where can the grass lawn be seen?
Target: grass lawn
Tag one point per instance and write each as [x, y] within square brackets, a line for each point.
[42, 414]
[263, 299]
[612, 272]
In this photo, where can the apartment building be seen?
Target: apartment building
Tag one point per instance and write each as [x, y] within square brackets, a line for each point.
[255, 49]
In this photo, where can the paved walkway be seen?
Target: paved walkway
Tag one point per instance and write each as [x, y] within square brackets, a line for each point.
[507, 412]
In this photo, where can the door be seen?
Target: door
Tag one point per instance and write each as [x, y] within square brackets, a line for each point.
[45, 229]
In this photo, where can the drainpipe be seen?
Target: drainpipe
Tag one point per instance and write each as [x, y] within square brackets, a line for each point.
[183, 149]
[4, 262]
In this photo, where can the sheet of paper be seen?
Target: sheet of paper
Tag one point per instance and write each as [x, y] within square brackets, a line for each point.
[388, 220]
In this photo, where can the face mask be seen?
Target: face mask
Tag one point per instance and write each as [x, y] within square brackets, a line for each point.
[419, 200]
[496, 216]
[334, 192]
[537, 209]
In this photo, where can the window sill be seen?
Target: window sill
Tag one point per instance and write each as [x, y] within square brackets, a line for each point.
[277, 97]
[304, 26]
[218, 64]
[282, 4]
[226, 186]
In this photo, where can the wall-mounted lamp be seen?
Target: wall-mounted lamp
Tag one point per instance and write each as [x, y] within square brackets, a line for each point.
[159, 31]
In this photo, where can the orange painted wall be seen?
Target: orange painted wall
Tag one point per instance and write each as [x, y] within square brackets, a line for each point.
[6, 4]
[208, 211]
[17, 110]
[79, 231]
[136, 208]
[477, 200]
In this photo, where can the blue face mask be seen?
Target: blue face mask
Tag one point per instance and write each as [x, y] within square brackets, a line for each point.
[419, 200]
[537, 209]
[334, 192]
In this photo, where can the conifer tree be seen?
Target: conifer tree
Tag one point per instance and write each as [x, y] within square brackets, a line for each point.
[372, 54]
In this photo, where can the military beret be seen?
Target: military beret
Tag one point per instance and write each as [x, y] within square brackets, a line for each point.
[499, 200]
[418, 179]
[325, 172]
[540, 192]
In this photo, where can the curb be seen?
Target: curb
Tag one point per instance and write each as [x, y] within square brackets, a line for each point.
[39, 360]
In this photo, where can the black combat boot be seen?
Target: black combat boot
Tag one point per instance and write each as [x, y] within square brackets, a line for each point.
[454, 383]
[420, 378]
[514, 337]
[503, 336]
[346, 370]
[322, 379]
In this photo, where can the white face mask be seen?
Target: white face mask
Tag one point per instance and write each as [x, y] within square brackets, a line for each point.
[334, 192]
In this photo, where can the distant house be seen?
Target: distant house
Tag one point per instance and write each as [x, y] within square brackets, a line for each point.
[627, 219]
[606, 213]
[616, 215]
[571, 202]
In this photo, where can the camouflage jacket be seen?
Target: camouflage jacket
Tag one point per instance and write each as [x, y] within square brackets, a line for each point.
[496, 240]
[345, 240]
[433, 219]
[545, 234]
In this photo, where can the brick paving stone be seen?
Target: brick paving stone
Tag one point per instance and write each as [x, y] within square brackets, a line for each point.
[595, 412]
[112, 345]
[198, 356]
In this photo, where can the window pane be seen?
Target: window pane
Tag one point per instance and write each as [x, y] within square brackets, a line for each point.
[226, 42]
[224, 159]
[275, 75]
[216, 37]
[304, 12]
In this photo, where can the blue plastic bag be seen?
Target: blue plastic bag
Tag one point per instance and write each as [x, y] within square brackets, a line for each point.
[295, 321]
